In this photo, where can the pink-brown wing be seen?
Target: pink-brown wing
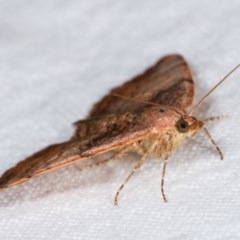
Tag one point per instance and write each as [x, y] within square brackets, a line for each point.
[168, 82]
[115, 122]
[93, 137]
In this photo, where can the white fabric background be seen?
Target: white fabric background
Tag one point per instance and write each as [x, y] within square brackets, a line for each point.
[59, 57]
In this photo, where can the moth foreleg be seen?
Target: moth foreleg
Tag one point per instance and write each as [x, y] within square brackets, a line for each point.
[135, 169]
[213, 142]
[168, 149]
[162, 179]
[215, 118]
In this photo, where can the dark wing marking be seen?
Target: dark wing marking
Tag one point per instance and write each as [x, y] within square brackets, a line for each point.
[168, 82]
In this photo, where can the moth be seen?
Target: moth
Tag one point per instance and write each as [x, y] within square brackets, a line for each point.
[149, 115]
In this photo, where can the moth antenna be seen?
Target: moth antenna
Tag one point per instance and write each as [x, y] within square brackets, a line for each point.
[205, 96]
[134, 100]
[213, 142]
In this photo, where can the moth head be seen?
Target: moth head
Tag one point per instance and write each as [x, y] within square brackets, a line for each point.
[189, 125]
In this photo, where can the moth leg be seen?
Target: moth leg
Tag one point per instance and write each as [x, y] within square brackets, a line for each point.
[136, 147]
[213, 142]
[114, 156]
[135, 169]
[162, 179]
[165, 157]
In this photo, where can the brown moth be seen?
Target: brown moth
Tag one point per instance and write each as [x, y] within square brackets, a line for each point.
[148, 115]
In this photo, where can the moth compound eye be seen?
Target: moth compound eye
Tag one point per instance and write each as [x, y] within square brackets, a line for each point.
[182, 126]
[161, 110]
